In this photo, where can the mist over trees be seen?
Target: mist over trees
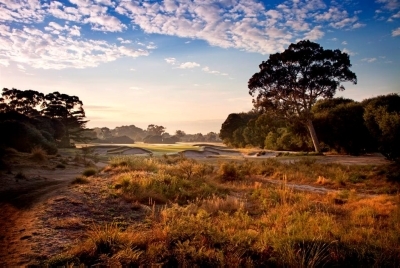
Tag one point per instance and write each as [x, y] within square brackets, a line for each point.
[30, 118]
[342, 125]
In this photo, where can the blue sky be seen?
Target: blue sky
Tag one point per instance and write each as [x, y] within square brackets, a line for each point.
[184, 64]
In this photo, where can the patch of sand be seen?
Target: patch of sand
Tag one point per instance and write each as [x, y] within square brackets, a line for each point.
[198, 154]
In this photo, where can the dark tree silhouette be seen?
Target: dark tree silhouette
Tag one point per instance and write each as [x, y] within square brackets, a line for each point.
[67, 109]
[24, 102]
[289, 83]
[155, 130]
[180, 133]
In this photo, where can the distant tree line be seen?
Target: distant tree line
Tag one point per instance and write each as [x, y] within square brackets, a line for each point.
[29, 118]
[153, 134]
[342, 125]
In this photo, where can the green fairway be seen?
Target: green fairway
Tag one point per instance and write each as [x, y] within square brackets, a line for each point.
[166, 148]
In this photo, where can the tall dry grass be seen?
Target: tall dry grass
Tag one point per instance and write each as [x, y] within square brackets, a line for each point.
[230, 217]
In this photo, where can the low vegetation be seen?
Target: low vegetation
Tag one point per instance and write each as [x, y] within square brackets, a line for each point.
[229, 214]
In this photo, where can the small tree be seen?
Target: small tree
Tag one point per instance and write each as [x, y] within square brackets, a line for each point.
[155, 130]
[289, 83]
[180, 134]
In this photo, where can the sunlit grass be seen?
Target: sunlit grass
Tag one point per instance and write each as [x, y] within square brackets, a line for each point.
[229, 215]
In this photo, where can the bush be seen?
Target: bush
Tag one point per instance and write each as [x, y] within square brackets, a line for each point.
[38, 154]
[229, 171]
[80, 180]
[89, 172]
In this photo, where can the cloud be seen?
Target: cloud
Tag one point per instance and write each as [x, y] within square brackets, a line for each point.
[4, 62]
[314, 34]
[171, 61]
[243, 24]
[136, 88]
[20, 66]
[207, 70]
[389, 4]
[369, 59]
[358, 25]
[347, 22]
[25, 11]
[347, 51]
[396, 32]
[123, 41]
[45, 50]
[344, 43]
[57, 29]
[188, 65]
[247, 25]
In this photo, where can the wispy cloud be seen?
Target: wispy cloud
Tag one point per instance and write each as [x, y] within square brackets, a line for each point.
[351, 53]
[368, 59]
[358, 25]
[396, 32]
[171, 61]
[389, 4]
[188, 65]
[207, 70]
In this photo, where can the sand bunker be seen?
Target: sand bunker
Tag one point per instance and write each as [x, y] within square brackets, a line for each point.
[120, 150]
[262, 154]
[198, 154]
[136, 151]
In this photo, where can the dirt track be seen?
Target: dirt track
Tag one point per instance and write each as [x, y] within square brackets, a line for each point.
[19, 220]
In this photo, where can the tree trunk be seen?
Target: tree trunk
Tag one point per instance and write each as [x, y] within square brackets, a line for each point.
[314, 137]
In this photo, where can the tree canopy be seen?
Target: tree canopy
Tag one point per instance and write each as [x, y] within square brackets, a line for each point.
[289, 83]
[46, 119]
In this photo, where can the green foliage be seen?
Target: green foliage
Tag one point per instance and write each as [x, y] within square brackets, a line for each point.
[382, 118]
[232, 128]
[340, 125]
[287, 140]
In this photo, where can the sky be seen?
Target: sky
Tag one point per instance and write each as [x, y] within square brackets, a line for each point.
[184, 64]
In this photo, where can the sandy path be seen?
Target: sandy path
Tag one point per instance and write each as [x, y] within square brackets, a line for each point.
[19, 208]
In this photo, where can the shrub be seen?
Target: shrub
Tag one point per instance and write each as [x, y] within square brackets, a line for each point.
[38, 154]
[80, 180]
[60, 165]
[229, 171]
[89, 172]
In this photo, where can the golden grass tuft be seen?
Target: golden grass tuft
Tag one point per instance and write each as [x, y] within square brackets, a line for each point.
[38, 154]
